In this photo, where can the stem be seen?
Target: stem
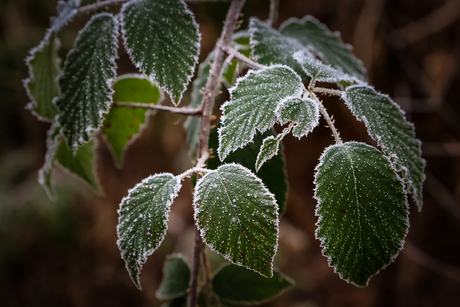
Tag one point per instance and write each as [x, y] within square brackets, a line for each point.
[326, 116]
[328, 91]
[192, 171]
[184, 111]
[225, 40]
[273, 15]
[233, 53]
[98, 5]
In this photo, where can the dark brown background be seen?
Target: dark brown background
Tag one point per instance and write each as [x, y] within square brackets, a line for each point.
[65, 253]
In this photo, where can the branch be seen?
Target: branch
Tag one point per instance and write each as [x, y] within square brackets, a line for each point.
[328, 119]
[328, 91]
[273, 15]
[235, 54]
[195, 268]
[184, 111]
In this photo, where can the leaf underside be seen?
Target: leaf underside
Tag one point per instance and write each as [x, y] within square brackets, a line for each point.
[252, 106]
[362, 209]
[239, 285]
[86, 91]
[163, 40]
[122, 124]
[386, 124]
[176, 278]
[142, 221]
[238, 217]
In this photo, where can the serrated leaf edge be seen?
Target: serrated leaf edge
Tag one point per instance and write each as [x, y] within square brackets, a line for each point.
[329, 258]
[203, 232]
[259, 162]
[178, 186]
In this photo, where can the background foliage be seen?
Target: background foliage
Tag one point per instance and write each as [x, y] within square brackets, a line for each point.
[65, 253]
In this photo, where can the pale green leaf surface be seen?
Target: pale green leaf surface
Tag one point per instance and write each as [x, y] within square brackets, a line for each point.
[239, 285]
[252, 105]
[86, 92]
[387, 124]
[325, 44]
[272, 173]
[142, 221]
[362, 209]
[303, 112]
[163, 40]
[122, 124]
[269, 148]
[176, 278]
[271, 47]
[322, 72]
[238, 217]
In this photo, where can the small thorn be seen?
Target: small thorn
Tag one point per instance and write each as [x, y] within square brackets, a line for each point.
[212, 156]
[219, 92]
[213, 126]
[213, 117]
[327, 126]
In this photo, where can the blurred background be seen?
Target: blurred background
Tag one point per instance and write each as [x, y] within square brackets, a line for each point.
[65, 253]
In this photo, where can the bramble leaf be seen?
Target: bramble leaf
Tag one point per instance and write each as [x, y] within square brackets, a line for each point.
[325, 44]
[387, 124]
[238, 217]
[142, 221]
[235, 284]
[271, 47]
[272, 173]
[362, 209]
[122, 124]
[303, 112]
[269, 148]
[163, 40]
[176, 278]
[252, 106]
[86, 92]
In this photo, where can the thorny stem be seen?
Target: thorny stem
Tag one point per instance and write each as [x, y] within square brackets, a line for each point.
[328, 91]
[328, 119]
[225, 40]
[192, 171]
[234, 54]
[184, 111]
[273, 15]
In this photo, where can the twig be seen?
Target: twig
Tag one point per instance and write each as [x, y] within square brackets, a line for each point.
[431, 263]
[233, 53]
[184, 111]
[328, 119]
[98, 5]
[328, 91]
[273, 14]
[225, 39]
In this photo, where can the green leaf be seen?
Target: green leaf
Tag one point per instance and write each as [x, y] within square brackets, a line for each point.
[303, 112]
[387, 124]
[87, 78]
[269, 148]
[238, 217]
[81, 164]
[271, 47]
[362, 209]
[163, 40]
[325, 44]
[235, 284]
[322, 72]
[122, 124]
[142, 221]
[229, 70]
[176, 278]
[42, 85]
[253, 103]
[272, 173]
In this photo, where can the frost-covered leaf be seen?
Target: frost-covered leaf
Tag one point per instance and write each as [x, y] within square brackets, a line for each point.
[66, 10]
[325, 44]
[193, 124]
[272, 173]
[163, 40]
[322, 72]
[269, 148]
[176, 278]
[362, 209]
[238, 285]
[252, 106]
[387, 124]
[122, 124]
[271, 47]
[303, 112]
[80, 164]
[238, 217]
[142, 221]
[42, 85]
[86, 92]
